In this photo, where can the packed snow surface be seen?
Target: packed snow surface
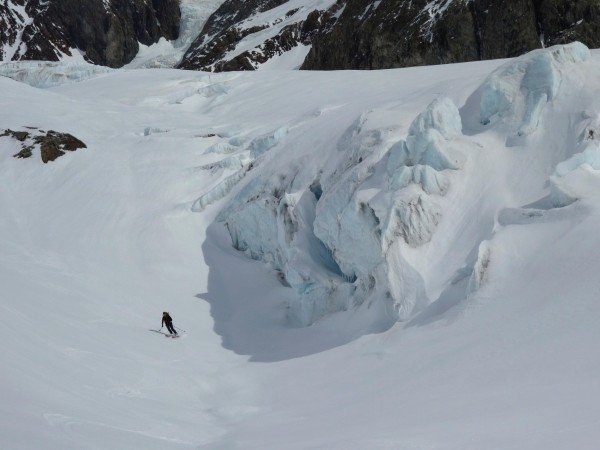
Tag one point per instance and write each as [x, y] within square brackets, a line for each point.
[400, 259]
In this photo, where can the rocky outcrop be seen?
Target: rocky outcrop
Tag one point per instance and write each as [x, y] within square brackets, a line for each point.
[566, 21]
[106, 32]
[397, 33]
[51, 144]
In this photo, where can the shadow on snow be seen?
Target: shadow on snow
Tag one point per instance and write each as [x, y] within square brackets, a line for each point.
[248, 306]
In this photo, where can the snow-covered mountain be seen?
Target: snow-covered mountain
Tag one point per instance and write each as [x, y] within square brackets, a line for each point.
[169, 53]
[360, 260]
[371, 34]
[107, 32]
[246, 35]
[230, 35]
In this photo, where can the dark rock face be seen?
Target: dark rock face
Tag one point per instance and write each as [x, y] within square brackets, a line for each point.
[504, 29]
[225, 30]
[51, 144]
[393, 33]
[106, 31]
[566, 21]
[400, 33]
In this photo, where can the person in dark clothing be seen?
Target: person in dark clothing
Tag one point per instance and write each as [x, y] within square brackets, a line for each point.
[166, 320]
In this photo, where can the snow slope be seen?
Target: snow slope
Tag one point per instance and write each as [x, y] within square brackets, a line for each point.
[497, 295]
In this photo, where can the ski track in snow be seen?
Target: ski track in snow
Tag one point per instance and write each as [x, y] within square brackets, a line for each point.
[95, 245]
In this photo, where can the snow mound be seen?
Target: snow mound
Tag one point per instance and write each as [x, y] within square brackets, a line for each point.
[519, 91]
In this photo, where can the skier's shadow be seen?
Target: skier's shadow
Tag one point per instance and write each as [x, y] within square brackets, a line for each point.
[248, 306]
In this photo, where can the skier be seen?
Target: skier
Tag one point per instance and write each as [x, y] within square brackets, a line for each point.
[166, 320]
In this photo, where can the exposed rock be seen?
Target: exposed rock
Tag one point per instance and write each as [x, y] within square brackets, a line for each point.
[217, 48]
[107, 32]
[567, 21]
[341, 34]
[52, 144]
[396, 33]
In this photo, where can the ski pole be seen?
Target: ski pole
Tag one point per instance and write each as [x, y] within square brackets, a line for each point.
[180, 329]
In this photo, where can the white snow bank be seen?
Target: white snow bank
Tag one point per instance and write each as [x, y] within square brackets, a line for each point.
[362, 216]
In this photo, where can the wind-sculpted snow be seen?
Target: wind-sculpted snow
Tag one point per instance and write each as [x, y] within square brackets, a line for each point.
[519, 91]
[223, 188]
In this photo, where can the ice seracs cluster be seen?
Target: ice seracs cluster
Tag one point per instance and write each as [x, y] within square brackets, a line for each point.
[336, 235]
[355, 227]
[519, 91]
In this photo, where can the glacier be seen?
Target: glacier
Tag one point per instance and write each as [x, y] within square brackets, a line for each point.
[325, 239]
[378, 199]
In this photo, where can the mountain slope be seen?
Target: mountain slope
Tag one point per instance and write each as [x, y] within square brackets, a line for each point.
[244, 36]
[500, 350]
[106, 33]
[168, 53]
[370, 34]
[229, 35]
[380, 35]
